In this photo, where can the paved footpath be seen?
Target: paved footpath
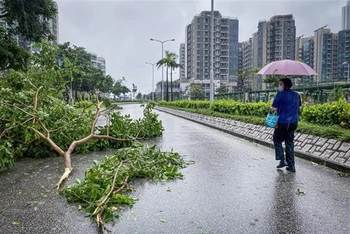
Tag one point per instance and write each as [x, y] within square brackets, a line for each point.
[329, 152]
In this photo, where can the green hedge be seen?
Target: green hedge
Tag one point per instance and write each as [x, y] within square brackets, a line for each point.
[329, 114]
[259, 109]
[187, 104]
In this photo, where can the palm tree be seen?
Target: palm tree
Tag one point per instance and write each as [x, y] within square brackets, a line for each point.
[172, 66]
[168, 60]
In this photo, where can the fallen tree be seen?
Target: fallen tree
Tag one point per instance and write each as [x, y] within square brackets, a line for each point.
[36, 122]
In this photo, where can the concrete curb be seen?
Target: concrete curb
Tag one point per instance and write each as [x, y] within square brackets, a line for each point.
[298, 153]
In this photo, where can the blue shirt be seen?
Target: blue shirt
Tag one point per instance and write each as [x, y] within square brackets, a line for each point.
[287, 103]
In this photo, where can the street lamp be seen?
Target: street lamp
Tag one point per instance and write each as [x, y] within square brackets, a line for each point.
[211, 97]
[162, 42]
[347, 64]
[152, 78]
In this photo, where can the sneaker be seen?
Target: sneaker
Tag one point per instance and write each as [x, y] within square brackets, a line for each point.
[282, 164]
[291, 169]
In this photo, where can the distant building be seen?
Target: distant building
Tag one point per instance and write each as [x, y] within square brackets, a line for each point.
[98, 62]
[345, 16]
[281, 38]
[182, 62]
[240, 56]
[343, 53]
[247, 54]
[262, 43]
[299, 42]
[274, 40]
[198, 58]
[54, 30]
[307, 49]
[318, 47]
[54, 26]
[329, 58]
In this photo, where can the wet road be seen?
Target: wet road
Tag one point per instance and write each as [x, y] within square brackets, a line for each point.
[233, 187]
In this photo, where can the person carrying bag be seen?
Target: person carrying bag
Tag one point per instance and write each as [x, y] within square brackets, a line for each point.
[287, 104]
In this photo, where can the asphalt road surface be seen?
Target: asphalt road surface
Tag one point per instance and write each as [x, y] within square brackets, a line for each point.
[233, 187]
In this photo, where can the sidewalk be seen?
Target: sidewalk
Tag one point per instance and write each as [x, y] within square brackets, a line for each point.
[328, 152]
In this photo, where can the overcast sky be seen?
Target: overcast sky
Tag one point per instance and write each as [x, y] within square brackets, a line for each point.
[120, 30]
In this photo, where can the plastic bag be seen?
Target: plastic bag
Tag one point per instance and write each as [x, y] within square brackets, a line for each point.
[271, 120]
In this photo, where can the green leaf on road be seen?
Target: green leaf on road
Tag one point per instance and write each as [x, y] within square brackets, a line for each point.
[16, 223]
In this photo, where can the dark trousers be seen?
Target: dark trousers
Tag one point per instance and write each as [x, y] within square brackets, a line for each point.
[284, 132]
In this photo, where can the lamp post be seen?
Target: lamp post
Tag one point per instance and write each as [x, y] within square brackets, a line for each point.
[211, 98]
[347, 64]
[152, 78]
[162, 42]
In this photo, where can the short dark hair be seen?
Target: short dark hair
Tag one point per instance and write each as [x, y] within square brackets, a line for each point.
[287, 83]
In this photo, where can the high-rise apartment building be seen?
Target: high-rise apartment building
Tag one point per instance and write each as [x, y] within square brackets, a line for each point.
[299, 42]
[308, 51]
[240, 56]
[255, 42]
[247, 54]
[329, 57]
[225, 47]
[345, 16]
[275, 40]
[262, 43]
[343, 53]
[182, 61]
[281, 38]
[318, 42]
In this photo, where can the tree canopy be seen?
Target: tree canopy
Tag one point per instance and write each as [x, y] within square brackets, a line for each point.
[28, 18]
[25, 19]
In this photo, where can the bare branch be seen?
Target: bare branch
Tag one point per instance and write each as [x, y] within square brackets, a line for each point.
[36, 98]
[65, 175]
[53, 144]
[43, 126]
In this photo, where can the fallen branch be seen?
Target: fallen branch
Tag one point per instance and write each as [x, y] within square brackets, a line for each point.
[110, 191]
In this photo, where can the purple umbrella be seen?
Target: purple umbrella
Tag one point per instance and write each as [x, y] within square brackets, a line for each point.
[287, 67]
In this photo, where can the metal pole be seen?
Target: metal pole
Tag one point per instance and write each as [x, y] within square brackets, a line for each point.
[348, 72]
[152, 82]
[162, 71]
[152, 78]
[212, 53]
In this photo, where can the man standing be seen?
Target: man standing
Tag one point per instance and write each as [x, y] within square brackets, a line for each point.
[287, 103]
